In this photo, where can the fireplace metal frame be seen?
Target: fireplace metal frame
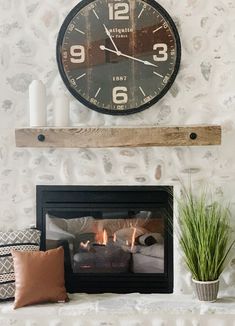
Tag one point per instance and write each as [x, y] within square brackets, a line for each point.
[67, 201]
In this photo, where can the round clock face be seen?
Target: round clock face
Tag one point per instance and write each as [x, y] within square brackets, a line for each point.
[118, 56]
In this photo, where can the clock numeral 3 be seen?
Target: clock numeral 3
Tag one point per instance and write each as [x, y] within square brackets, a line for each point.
[162, 52]
[118, 11]
[120, 95]
[77, 53]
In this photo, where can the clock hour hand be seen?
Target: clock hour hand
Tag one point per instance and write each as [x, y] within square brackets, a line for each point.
[148, 63]
[110, 37]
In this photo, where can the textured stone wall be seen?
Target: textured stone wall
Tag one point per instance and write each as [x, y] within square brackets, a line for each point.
[203, 93]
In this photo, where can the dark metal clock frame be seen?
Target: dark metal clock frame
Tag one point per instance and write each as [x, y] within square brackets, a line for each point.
[93, 106]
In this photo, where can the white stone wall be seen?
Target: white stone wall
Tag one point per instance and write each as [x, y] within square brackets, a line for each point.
[203, 93]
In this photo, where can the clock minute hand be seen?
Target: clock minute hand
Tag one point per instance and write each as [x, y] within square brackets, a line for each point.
[111, 39]
[148, 63]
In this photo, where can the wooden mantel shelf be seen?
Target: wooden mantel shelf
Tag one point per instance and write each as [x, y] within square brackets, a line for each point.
[101, 137]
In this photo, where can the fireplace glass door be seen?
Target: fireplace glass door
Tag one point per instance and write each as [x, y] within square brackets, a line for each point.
[110, 241]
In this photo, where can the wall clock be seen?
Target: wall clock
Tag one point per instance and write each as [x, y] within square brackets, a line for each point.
[118, 56]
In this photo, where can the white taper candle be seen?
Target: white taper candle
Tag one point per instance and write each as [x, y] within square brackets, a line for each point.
[37, 104]
[61, 111]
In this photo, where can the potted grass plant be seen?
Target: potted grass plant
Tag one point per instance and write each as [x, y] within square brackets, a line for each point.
[205, 237]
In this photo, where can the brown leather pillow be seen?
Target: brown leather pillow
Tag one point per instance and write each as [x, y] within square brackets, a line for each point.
[39, 277]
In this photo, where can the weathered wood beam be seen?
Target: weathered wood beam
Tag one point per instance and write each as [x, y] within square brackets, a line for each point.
[101, 137]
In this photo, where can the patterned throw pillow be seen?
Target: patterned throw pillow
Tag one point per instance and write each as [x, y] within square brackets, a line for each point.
[25, 240]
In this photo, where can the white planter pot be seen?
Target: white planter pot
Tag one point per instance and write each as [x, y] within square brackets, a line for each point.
[207, 290]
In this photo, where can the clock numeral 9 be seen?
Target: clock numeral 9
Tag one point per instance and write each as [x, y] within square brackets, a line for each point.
[118, 11]
[120, 95]
[162, 52]
[77, 53]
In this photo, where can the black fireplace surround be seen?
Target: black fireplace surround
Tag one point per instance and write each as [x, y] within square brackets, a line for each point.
[133, 209]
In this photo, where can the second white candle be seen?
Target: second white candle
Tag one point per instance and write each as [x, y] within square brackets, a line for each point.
[61, 111]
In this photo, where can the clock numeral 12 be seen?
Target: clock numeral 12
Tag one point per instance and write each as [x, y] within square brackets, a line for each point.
[162, 52]
[77, 53]
[118, 11]
[120, 95]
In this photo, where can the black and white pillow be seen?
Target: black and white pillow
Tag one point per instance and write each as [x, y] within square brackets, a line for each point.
[25, 240]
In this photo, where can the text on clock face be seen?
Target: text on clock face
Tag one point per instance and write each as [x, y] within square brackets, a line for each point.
[119, 78]
[119, 55]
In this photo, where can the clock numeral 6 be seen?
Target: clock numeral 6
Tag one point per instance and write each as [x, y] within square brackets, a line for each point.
[77, 53]
[118, 11]
[162, 52]
[120, 95]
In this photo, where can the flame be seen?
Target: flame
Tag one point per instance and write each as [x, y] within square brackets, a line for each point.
[105, 237]
[102, 237]
[84, 245]
[133, 239]
[114, 237]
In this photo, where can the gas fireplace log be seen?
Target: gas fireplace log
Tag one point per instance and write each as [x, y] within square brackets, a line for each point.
[150, 238]
[102, 259]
